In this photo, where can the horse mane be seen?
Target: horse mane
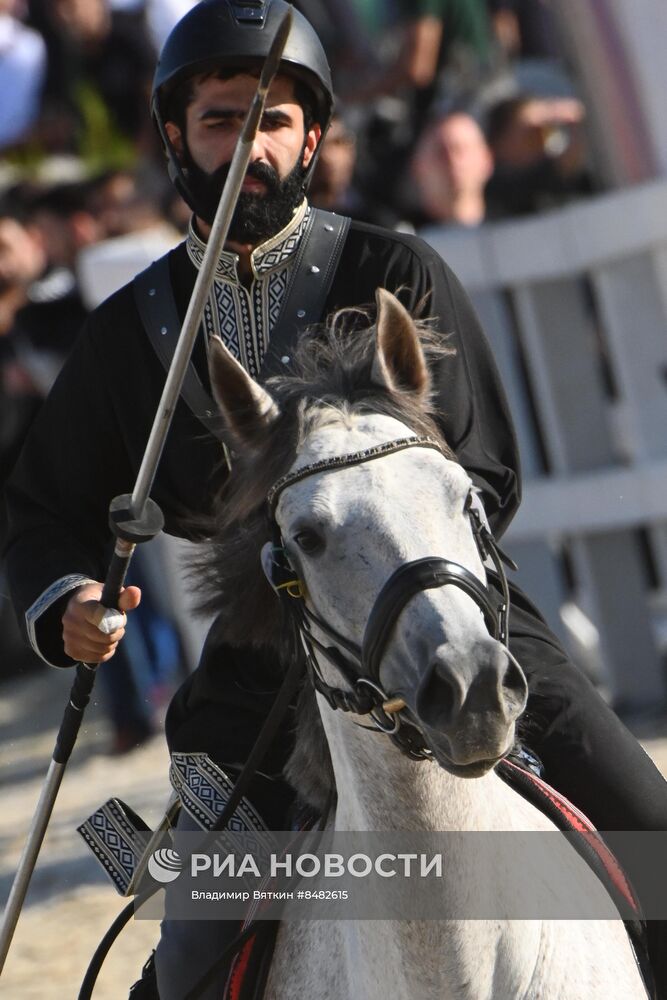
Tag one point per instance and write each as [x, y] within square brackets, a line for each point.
[329, 378]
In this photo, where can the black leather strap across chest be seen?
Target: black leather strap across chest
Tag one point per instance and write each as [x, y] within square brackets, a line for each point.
[311, 275]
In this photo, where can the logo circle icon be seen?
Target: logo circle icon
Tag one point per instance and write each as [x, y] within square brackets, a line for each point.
[165, 865]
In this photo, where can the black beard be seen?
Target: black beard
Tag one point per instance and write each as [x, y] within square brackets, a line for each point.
[257, 217]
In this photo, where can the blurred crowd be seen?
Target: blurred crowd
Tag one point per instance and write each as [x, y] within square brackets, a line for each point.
[450, 112]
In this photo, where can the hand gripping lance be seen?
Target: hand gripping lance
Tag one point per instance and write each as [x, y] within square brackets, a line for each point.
[135, 518]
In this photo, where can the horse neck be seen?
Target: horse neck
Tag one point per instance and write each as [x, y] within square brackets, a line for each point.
[380, 788]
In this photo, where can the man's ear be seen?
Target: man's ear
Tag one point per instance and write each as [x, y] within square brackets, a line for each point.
[313, 136]
[175, 136]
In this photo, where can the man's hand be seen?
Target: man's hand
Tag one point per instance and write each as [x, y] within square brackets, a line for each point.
[83, 638]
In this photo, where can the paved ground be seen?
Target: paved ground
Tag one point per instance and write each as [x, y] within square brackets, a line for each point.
[71, 903]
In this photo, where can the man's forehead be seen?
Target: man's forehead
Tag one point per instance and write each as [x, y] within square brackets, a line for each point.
[242, 86]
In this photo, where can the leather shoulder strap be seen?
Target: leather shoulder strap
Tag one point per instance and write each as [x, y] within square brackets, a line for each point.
[155, 301]
[311, 277]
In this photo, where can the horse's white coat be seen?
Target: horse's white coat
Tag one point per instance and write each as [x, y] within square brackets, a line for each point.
[372, 518]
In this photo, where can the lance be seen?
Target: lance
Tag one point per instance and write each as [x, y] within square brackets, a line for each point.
[135, 518]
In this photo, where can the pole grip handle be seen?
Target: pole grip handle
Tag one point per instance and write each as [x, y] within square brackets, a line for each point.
[115, 578]
[129, 530]
[71, 721]
[84, 681]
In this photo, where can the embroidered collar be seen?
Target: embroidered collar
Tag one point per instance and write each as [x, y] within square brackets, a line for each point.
[265, 258]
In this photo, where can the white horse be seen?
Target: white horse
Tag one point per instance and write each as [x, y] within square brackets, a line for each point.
[346, 529]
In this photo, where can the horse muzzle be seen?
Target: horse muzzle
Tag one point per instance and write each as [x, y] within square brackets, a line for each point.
[469, 708]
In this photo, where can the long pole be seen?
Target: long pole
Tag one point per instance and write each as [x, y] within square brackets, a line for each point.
[136, 518]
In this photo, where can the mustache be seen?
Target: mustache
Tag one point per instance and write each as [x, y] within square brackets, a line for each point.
[263, 172]
[258, 215]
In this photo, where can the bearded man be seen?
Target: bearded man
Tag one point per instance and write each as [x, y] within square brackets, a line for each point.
[86, 446]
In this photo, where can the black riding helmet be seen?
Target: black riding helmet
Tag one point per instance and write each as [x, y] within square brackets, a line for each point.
[230, 34]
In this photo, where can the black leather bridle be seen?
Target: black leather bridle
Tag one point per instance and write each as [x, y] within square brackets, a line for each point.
[360, 665]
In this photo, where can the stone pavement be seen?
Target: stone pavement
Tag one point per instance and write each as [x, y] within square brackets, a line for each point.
[70, 903]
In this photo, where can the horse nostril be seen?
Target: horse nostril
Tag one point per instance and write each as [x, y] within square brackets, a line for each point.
[440, 697]
[514, 684]
[488, 682]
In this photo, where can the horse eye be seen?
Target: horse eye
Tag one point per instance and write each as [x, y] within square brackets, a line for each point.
[309, 541]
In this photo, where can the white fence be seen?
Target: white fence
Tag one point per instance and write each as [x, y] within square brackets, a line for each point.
[575, 305]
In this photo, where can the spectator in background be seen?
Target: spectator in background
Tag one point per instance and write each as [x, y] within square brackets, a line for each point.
[56, 223]
[124, 202]
[391, 63]
[450, 169]
[22, 69]
[41, 308]
[98, 78]
[134, 232]
[21, 261]
[539, 152]
[428, 36]
[333, 186]
[80, 226]
[41, 313]
[61, 214]
[524, 28]
[448, 46]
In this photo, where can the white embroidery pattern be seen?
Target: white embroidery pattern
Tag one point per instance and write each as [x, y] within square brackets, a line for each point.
[45, 600]
[244, 318]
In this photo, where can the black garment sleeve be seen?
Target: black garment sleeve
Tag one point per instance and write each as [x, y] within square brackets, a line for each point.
[72, 465]
[484, 441]
[86, 447]
[473, 409]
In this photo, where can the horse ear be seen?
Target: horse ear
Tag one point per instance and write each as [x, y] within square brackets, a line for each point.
[399, 362]
[248, 409]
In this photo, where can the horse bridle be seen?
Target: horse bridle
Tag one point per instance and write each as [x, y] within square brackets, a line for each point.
[360, 665]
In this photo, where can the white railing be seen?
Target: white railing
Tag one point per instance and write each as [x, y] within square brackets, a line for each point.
[575, 305]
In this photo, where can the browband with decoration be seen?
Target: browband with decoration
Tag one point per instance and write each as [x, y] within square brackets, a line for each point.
[355, 458]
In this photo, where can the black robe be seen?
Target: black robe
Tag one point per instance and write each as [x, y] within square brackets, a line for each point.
[87, 443]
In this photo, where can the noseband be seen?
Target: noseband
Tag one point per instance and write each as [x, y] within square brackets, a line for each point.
[361, 666]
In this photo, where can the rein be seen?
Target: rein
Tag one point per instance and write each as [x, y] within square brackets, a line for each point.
[360, 665]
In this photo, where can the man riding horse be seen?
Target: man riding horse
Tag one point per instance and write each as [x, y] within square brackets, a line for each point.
[284, 265]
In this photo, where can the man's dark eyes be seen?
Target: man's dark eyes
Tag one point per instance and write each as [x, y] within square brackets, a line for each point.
[266, 125]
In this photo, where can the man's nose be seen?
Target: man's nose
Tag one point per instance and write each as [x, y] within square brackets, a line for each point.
[259, 149]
